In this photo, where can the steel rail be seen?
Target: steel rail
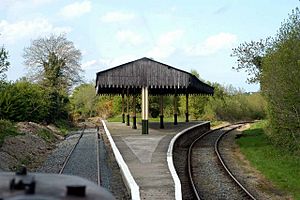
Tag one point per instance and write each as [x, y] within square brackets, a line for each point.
[196, 193]
[70, 153]
[226, 167]
[190, 173]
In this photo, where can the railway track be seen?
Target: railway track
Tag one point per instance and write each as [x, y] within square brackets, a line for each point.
[83, 159]
[209, 176]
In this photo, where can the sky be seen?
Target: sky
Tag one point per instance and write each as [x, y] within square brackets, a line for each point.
[189, 35]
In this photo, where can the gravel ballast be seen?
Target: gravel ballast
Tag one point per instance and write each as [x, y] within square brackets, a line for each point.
[56, 159]
[83, 161]
[209, 176]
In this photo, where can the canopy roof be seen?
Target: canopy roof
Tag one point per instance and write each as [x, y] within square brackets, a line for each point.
[160, 79]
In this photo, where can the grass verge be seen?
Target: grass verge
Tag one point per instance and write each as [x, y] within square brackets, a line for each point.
[46, 135]
[139, 119]
[7, 129]
[278, 165]
[64, 126]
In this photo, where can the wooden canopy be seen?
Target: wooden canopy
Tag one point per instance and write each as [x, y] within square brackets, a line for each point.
[158, 77]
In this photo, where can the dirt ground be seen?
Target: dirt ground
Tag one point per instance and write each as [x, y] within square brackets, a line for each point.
[27, 149]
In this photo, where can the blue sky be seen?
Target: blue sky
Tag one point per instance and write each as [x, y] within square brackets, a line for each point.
[193, 34]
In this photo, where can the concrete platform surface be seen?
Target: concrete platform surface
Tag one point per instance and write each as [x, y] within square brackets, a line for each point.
[146, 156]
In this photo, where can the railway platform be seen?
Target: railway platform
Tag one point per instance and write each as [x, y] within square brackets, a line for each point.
[146, 156]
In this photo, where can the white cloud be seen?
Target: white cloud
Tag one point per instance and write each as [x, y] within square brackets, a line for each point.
[117, 60]
[127, 36]
[37, 2]
[165, 45]
[11, 32]
[117, 17]
[76, 9]
[212, 45]
[103, 62]
[91, 64]
[10, 3]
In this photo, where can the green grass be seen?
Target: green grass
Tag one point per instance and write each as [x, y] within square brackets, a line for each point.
[46, 135]
[278, 165]
[64, 126]
[7, 129]
[215, 123]
[166, 119]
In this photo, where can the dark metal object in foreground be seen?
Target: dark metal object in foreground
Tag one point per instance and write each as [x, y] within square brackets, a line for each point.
[49, 187]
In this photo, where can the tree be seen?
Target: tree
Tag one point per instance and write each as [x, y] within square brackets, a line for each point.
[281, 84]
[275, 64]
[85, 103]
[83, 100]
[4, 64]
[249, 58]
[197, 102]
[54, 61]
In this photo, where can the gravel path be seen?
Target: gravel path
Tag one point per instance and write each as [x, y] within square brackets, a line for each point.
[211, 180]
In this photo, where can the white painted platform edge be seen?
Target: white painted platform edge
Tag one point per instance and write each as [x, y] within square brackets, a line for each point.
[134, 188]
[178, 194]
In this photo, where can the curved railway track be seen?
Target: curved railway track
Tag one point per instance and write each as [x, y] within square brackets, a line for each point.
[209, 176]
[83, 159]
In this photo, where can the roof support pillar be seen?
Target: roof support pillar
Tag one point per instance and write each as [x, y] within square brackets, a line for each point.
[134, 112]
[123, 114]
[127, 108]
[187, 107]
[175, 109]
[145, 110]
[161, 116]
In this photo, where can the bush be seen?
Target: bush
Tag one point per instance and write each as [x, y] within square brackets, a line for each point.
[23, 101]
[231, 104]
[236, 107]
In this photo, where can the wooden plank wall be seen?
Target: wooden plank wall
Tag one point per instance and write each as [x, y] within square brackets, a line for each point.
[146, 72]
